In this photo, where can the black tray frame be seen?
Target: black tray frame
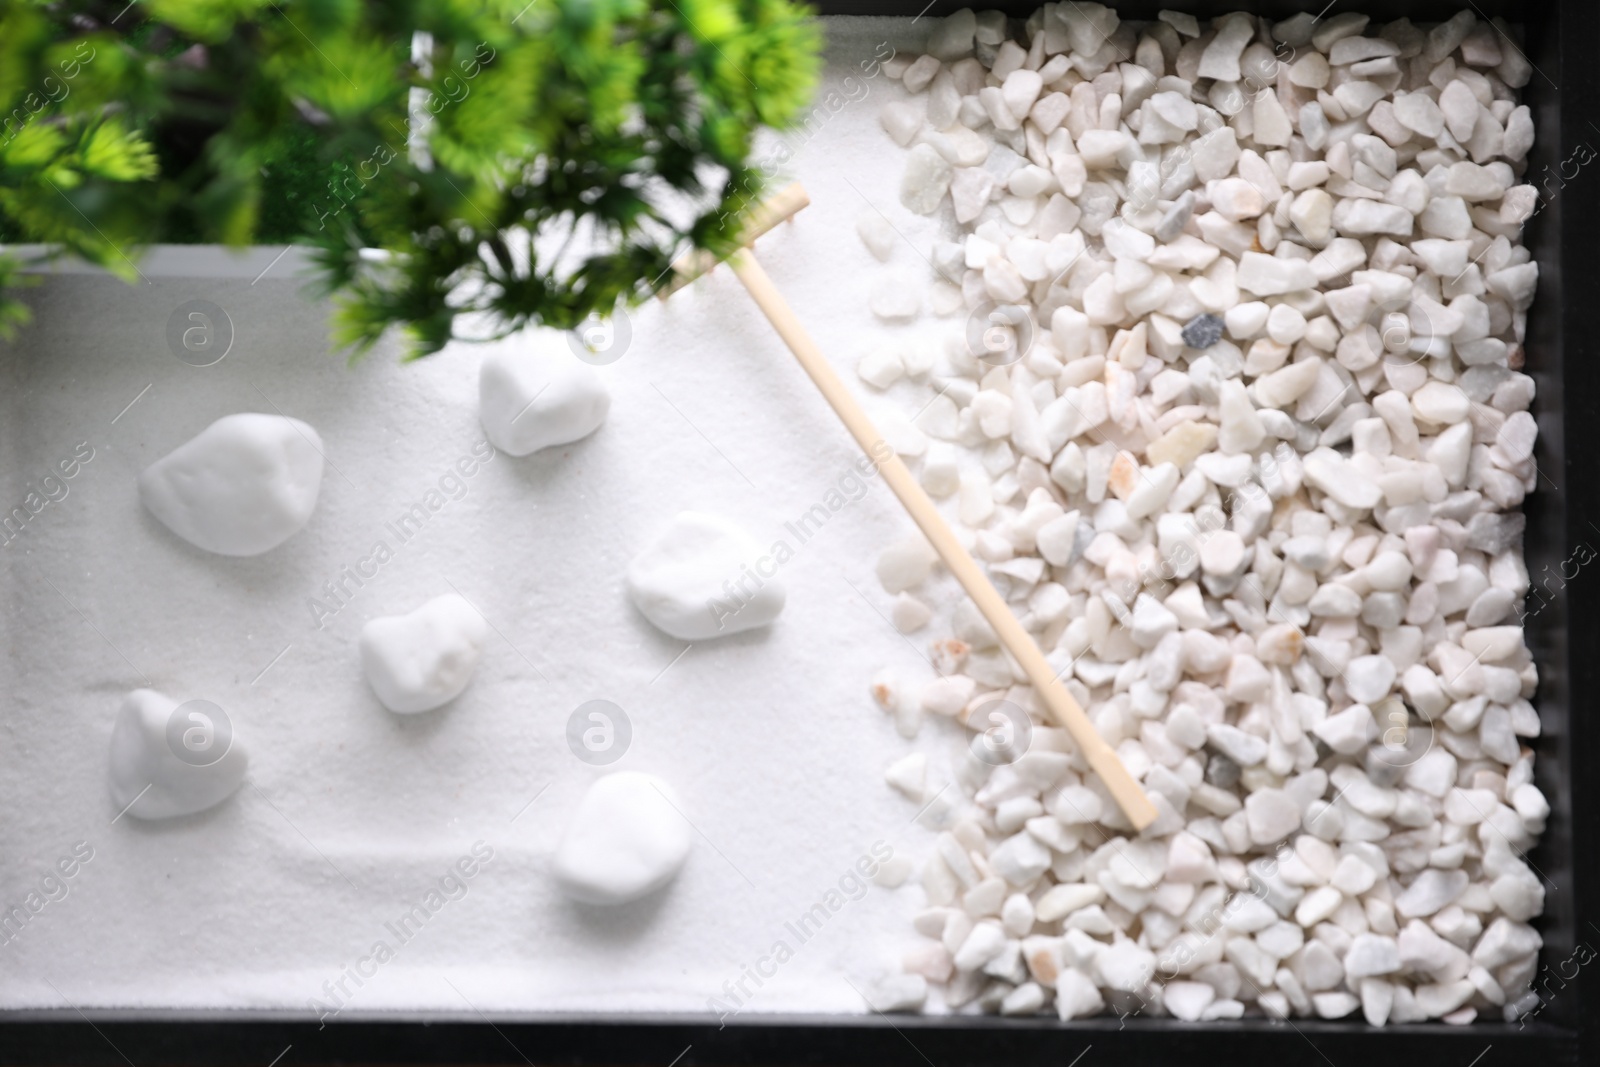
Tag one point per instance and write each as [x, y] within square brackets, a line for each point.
[1562, 39]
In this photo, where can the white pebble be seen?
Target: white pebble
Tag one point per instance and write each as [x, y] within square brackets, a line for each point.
[539, 395]
[426, 658]
[905, 565]
[149, 778]
[625, 840]
[704, 577]
[925, 181]
[241, 487]
[877, 234]
[1273, 815]
[897, 993]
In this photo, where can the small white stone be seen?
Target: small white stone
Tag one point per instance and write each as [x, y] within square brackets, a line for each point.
[941, 473]
[424, 659]
[952, 36]
[905, 565]
[1019, 859]
[909, 614]
[983, 944]
[971, 189]
[1187, 1000]
[1310, 71]
[1474, 183]
[1235, 199]
[1062, 900]
[1246, 320]
[1058, 538]
[1266, 275]
[1440, 402]
[1316, 906]
[1319, 968]
[1362, 218]
[1126, 242]
[1334, 1005]
[947, 695]
[1460, 109]
[1357, 97]
[1493, 644]
[1333, 474]
[1125, 966]
[893, 872]
[150, 779]
[1175, 109]
[925, 181]
[877, 234]
[1248, 914]
[1152, 490]
[1016, 915]
[1244, 749]
[695, 580]
[881, 367]
[909, 774]
[1272, 125]
[1272, 814]
[1418, 112]
[1371, 955]
[1282, 939]
[1151, 621]
[540, 395]
[626, 840]
[1348, 731]
[1353, 876]
[1220, 60]
[241, 487]
[1285, 385]
[1429, 891]
[1517, 436]
[1241, 429]
[1286, 325]
[901, 120]
[1021, 89]
[1222, 553]
[897, 993]
[1369, 678]
[1446, 216]
[1183, 22]
[1076, 995]
[1504, 942]
[1335, 601]
[1312, 214]
[921, 73]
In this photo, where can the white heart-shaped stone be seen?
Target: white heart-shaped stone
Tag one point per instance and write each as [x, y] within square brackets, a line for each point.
[702, 578]
[539, 394]
[242, 486]
[149, 778]
[626, 840]
[425, 658]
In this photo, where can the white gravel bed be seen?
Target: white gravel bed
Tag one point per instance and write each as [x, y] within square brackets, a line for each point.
[1224, 388]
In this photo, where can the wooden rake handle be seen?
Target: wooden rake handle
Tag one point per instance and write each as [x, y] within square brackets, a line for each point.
[1058, 702]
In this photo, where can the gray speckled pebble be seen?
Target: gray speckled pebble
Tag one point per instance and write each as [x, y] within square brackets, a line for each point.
[1202, 331]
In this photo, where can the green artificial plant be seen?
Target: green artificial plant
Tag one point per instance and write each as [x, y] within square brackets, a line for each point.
[533, 162]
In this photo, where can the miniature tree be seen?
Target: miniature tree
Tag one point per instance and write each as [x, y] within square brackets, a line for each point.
[528, 162]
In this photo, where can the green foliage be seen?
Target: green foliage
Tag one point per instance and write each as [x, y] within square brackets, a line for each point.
[531, 163]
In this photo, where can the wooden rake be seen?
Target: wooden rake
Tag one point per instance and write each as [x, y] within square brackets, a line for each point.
[1059, 704]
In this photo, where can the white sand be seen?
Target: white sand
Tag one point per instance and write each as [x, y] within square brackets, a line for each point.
[351, 814]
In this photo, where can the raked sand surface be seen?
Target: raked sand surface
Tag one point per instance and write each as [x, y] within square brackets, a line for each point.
[351, 815]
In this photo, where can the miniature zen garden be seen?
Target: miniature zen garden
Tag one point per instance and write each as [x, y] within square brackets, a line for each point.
[607, 674]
